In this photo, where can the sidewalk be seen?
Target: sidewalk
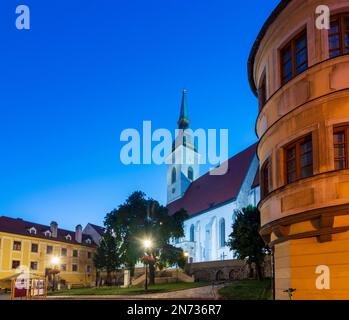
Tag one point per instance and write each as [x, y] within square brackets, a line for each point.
[201, 293]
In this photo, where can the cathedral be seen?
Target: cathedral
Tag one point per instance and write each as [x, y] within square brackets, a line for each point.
[210, 200]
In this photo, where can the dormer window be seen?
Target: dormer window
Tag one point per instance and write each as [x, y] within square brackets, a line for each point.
[47, 233]
[32, 230]
[68, 237]
[88, 241]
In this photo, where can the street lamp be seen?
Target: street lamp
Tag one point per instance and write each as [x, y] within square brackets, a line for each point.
[186, 254]
[55, 262]
[147, 244]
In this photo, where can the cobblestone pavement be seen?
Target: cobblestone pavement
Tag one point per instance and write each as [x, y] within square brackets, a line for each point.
[201, 293]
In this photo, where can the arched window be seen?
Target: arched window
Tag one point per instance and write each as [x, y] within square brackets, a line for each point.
[173, 176]
[222, 232]
[192, 237]
[190, 173]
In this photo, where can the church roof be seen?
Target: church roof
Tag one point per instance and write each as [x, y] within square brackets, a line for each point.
[210, 191]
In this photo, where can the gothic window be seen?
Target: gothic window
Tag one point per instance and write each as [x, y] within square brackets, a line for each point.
[190, 174]
[294, 57]
[222, 232]
[173, 176]
[338, 35]
[192, 230]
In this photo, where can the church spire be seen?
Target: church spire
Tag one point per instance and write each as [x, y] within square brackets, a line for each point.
[183, 122]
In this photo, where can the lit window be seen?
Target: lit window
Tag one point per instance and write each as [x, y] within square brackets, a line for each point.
[64, 252]
[294, 58]
[63, 267]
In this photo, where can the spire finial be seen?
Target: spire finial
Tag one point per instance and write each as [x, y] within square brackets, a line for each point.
[183, 122]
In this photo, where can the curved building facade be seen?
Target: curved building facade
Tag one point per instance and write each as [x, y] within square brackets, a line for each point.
[300, 73]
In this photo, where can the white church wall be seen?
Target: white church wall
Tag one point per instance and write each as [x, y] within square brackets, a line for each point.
[206, 245]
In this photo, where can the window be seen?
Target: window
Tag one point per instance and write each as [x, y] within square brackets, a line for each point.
[266, 178]
[173, 176]
[75, 253]
[338, 35]
[262, 92]
[49, 250]
[75, 268]
[68, 237]
[294, 57]
[32, 230]
[340, 144]
[192, 233]
[35, 247]
[15, 264]
[47, 233]
[63, 267]
[222, 232]
[17, 245]
[190, 173]
[88, 269]
[33, 265]
[89, 255]
[299, 159]
[64, 252]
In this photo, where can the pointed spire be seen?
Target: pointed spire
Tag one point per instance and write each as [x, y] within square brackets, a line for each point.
[183, 122]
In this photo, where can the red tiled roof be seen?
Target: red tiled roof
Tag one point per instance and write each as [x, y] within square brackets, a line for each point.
[21, 227]
[211, 190]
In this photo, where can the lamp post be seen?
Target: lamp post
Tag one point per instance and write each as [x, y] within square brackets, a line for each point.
[147, 244]
[55, 262]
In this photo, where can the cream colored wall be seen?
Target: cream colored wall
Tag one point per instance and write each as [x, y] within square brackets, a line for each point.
[313, 102]
[25, 256]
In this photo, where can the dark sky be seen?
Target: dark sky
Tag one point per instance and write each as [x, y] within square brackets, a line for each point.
[86, 70]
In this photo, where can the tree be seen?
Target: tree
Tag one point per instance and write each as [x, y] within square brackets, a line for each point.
[245, 239]
[142, 218]
[107, 257]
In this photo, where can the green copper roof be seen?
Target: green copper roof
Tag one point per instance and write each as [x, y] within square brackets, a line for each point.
[183, 122]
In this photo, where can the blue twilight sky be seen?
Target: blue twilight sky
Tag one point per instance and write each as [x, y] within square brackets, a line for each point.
[89, 69]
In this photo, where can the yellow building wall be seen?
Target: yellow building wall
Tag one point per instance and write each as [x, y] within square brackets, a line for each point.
[296, 262]
[25, 256]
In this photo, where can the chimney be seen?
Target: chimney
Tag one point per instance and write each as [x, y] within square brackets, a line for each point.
[78, 233]
[54, 228]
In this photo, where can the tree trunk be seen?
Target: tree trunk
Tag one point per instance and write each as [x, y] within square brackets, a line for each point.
[259, 271]
[108, 278]
[151, 273]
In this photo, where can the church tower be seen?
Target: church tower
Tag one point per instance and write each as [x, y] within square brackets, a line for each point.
[183, 162]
